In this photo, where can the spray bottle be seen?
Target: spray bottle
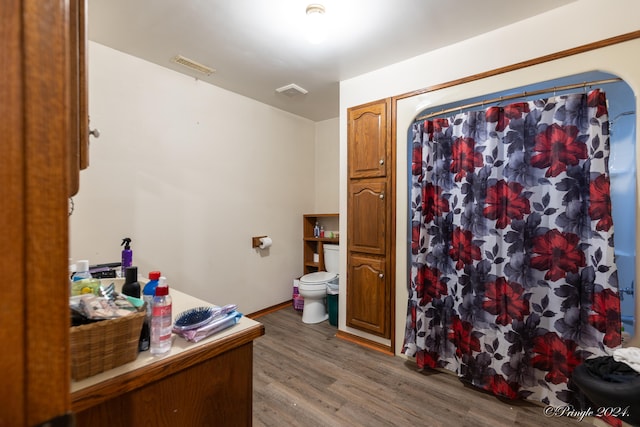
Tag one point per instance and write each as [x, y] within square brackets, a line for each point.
[161, 319]
[127, 256]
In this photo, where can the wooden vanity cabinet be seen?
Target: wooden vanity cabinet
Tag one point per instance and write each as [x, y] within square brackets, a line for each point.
[370, 219]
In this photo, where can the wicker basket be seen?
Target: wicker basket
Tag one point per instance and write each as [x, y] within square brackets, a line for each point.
[103, 345]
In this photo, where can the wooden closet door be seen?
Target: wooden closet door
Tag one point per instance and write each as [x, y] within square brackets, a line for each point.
[368, 210]
[368, 295]
[370, 220]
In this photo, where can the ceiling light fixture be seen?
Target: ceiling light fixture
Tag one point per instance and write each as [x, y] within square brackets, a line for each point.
[292, 90]
[315, 25]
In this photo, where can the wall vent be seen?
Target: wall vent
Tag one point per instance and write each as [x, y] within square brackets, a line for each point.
[179, 59]
[292, 90]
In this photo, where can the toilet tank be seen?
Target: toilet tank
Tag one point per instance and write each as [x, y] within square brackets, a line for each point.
[331, 258]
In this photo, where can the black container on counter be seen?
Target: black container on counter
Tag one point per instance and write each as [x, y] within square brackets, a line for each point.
[131, 286]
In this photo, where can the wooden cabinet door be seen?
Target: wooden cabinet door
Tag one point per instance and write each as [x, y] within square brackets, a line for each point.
[368, 305]
[34, 186]
[369, 138]
[78, 93]
[367, 208]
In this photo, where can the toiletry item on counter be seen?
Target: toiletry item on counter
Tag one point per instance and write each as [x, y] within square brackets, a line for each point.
[131, 287]
[316, 230]
[95, 307]
[161, 319]
[228, 317]
[149, 290]
[127, 255]
[105, 271]
[85, 286]
[321, 231]
[145, 336]
[82, 270]
[199, 316]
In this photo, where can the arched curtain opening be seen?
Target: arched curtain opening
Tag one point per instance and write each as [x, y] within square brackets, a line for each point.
[513, 281]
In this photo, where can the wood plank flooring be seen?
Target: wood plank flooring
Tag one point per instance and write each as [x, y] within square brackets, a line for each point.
[305, 376]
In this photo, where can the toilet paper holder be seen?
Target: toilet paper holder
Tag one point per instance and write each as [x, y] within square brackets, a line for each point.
[255, 241]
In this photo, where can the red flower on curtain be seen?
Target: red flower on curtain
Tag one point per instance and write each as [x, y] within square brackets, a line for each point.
[599, 100]
[555, 355]
[428, 284]
[462, 248]
[505, 300]
[414, 317]
[415, 239]
[460, 335]
[558, 253]
[416, 161]
[464, 158]
[502, 116]
[505, 202]
[557, 148]
[435, 126]
[499, 386]
[607, 316]
[427, 359]
[600, 203]
[433, 204]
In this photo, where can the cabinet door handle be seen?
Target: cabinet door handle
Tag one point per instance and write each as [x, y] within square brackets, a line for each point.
[381, 275]
[381, 162]
[381, 195]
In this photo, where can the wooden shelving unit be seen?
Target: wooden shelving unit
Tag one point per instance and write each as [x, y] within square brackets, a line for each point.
[313, 245]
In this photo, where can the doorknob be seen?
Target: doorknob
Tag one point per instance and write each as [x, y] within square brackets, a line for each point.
[381, 195]
[94, 133]
[381, 162]
[381, 275]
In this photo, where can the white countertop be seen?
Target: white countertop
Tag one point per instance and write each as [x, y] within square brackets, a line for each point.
[180, 346]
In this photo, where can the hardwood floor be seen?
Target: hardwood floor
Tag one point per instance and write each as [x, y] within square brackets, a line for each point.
[305, 376]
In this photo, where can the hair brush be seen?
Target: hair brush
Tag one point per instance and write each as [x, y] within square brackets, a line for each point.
[200, 316]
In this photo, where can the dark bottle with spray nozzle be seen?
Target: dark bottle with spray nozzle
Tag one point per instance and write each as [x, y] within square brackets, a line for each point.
[127, 256]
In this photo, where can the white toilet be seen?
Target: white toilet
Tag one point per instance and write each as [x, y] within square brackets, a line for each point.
[313, 286]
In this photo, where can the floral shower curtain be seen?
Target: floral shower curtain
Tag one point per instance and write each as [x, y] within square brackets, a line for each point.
[513, 281]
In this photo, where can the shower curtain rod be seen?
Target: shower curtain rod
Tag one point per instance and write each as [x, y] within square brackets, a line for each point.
[517, 95]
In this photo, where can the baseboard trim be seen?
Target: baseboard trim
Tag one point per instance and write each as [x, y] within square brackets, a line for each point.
[268, 310]
[382, 348]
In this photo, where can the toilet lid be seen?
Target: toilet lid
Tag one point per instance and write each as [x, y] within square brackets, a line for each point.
[317, 277]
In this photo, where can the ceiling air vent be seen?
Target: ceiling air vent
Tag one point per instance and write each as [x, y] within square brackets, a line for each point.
[179, 59]
[292, 90]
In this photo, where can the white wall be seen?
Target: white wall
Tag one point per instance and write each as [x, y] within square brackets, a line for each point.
[191, 172]
[327, 171]
[544, 34]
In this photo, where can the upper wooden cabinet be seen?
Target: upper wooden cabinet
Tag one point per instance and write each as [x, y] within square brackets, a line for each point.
[369, 136]
[78, 93]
